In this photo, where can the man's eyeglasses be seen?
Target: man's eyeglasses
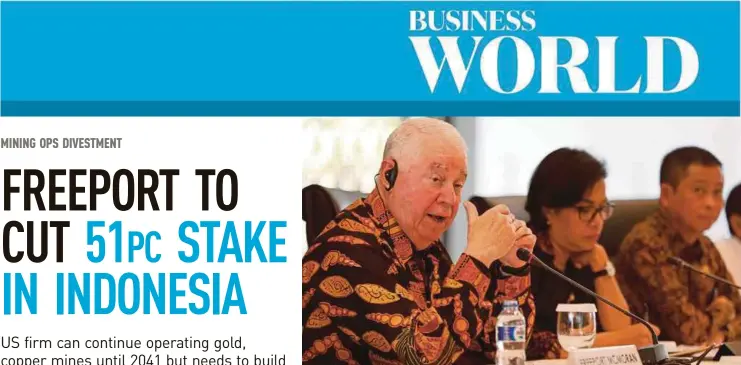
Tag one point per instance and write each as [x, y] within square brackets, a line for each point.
[588, 213]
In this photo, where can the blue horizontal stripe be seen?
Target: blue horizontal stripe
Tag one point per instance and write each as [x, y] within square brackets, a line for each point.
[371, 108]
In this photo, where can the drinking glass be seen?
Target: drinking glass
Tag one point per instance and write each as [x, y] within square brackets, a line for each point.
[577, 325]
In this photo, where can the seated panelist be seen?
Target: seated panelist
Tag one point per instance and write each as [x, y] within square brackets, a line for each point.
[380, 288]
[568, 207]
[691, 309]
[730, 248]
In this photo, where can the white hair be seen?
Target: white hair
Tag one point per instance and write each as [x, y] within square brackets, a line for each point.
[412, 130]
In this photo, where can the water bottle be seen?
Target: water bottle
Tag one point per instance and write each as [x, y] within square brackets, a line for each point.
[511, 335]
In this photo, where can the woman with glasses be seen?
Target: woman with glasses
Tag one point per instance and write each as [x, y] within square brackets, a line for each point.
[568, 206]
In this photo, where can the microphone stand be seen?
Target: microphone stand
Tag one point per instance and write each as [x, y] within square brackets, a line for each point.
[681, 263]
[652, 354]
[729, 347]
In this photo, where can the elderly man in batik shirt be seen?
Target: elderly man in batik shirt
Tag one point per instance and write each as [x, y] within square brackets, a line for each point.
[688, 307]
[380, 288]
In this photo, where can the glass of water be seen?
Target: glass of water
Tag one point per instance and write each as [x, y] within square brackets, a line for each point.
[577, 325]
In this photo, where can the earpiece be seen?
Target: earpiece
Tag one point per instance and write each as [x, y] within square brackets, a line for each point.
[391, 175]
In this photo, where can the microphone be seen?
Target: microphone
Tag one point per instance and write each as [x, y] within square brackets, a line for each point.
[650, 354]
[681, 263]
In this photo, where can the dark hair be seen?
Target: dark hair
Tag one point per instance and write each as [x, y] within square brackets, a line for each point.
[675, 164]
[560, 181]
[733, 206]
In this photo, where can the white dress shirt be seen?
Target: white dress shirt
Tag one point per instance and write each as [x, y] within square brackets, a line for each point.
[730, 250]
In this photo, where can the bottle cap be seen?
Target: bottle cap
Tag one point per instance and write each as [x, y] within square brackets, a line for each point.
[511, 304]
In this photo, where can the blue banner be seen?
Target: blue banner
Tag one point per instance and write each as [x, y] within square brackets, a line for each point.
[601, 58]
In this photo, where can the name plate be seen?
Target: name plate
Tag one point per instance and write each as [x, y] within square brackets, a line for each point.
[730, 360]
[614, 355]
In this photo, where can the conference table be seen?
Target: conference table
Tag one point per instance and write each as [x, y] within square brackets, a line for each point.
[725, 360]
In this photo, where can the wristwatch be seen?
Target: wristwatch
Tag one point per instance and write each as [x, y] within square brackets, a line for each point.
[609, 270]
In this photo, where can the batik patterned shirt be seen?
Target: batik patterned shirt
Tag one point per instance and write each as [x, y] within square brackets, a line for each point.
[685, 305]
[370, 297]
